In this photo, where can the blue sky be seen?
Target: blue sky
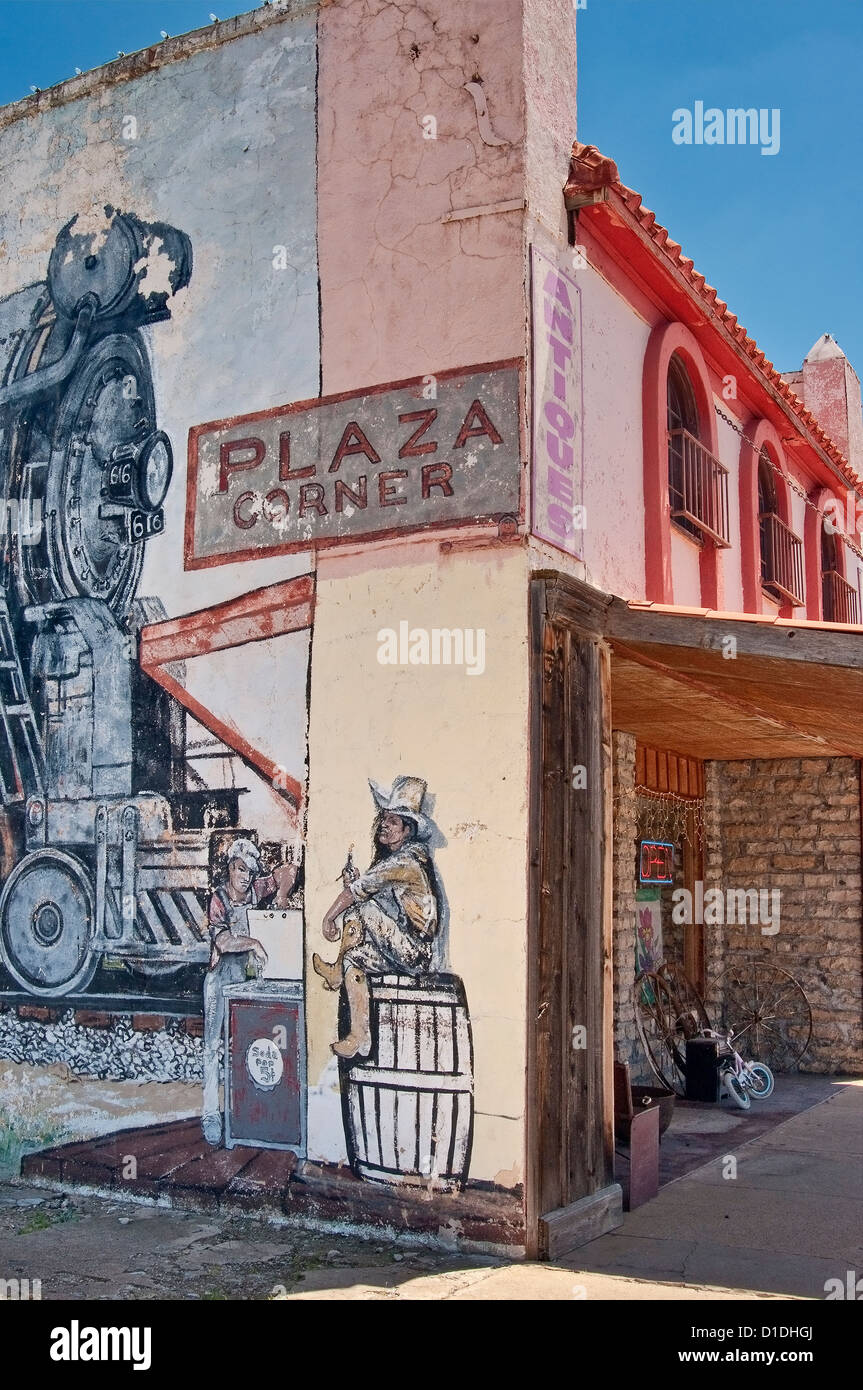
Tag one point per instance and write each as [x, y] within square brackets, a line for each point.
[779, 236]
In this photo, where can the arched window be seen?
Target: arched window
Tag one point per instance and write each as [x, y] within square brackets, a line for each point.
[838, 597]
[766, 511]
[682, 415]
[830, 593]
[781, 551]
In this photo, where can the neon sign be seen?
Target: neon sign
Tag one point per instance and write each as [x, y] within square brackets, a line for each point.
[655, 861]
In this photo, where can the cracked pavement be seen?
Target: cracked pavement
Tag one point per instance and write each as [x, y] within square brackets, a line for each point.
[790, 1220]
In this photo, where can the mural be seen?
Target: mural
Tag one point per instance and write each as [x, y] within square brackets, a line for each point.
[236, 955]
[172, 758]
[93, 777]
[111, 847]
[406, 1050]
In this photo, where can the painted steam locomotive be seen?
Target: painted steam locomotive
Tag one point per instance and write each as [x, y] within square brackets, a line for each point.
[104, 846]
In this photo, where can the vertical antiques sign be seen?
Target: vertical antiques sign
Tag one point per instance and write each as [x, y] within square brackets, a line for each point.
[437, 451]
[557, 493]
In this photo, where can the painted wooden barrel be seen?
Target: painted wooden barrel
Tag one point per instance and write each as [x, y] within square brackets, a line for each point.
[408, 1106]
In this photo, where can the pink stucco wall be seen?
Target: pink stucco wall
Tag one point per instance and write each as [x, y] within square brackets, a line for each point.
[618, 317]
[405, 290]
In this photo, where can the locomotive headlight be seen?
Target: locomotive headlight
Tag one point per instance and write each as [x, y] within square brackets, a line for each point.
[138, 474]
[153, 471]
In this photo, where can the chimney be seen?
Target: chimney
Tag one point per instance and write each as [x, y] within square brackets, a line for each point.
[829, 386]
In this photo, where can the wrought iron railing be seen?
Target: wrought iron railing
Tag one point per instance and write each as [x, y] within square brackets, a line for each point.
[698, 487]
[781, 559]
[839, 599]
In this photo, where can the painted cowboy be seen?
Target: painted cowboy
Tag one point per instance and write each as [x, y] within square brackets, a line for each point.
[390, 911]
[236, 956]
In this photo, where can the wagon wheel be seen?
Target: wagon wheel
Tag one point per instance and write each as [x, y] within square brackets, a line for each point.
[688, 1000]
[767, 1009]
[664, 1023]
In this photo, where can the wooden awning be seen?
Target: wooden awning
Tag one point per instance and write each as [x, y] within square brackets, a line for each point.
[730, 686]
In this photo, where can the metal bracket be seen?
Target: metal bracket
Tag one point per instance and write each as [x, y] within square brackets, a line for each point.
[101, 867]
[129, 848]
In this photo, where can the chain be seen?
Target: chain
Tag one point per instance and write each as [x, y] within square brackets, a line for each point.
[795, 487]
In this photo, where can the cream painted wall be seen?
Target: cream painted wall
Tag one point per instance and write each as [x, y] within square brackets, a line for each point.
[467, 737]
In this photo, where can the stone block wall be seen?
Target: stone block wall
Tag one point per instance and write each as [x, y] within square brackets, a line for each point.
[787, 824]
[794, 825]
[627, 1047]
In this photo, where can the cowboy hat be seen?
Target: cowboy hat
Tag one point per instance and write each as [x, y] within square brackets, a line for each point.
[405, 799]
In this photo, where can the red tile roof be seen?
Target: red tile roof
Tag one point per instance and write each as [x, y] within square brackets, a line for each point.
[592, 172]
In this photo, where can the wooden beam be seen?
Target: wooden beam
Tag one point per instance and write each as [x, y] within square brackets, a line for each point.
[253, 617]
[534, 1237]
[792, 642]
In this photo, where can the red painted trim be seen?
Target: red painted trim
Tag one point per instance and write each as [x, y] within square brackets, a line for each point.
[193, 562]
[253, 617]
[642, 243]
[666, 340]
[760, 432]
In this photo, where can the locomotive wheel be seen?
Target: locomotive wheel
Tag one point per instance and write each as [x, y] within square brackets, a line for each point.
[47, 923]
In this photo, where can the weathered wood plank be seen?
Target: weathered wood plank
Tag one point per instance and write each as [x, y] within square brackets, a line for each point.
[582, 1221]
[533, 1124]
[607, 914]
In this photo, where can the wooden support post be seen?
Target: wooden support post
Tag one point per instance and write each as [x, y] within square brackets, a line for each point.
[570, 1196]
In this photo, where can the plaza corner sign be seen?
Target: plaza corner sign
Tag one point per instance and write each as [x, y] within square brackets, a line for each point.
[432, 452]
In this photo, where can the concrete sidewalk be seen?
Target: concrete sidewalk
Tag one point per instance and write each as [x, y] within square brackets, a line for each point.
[790, 1219]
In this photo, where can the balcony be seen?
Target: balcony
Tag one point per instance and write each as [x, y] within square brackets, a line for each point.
[839, 599]
[781, 559]
[697, 488]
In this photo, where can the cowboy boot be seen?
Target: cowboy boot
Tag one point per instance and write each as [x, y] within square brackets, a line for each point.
[353, 933]
[358, 1042]
[331, 974]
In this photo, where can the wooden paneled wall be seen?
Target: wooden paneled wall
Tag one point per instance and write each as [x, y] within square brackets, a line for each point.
[660, 771]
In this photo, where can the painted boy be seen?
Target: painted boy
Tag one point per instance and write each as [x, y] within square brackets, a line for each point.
[235, 956]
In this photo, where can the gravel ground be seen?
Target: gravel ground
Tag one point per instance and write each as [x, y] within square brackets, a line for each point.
[85, 1247]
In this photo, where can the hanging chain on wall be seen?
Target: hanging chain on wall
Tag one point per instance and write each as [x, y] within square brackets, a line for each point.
[792, 483]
